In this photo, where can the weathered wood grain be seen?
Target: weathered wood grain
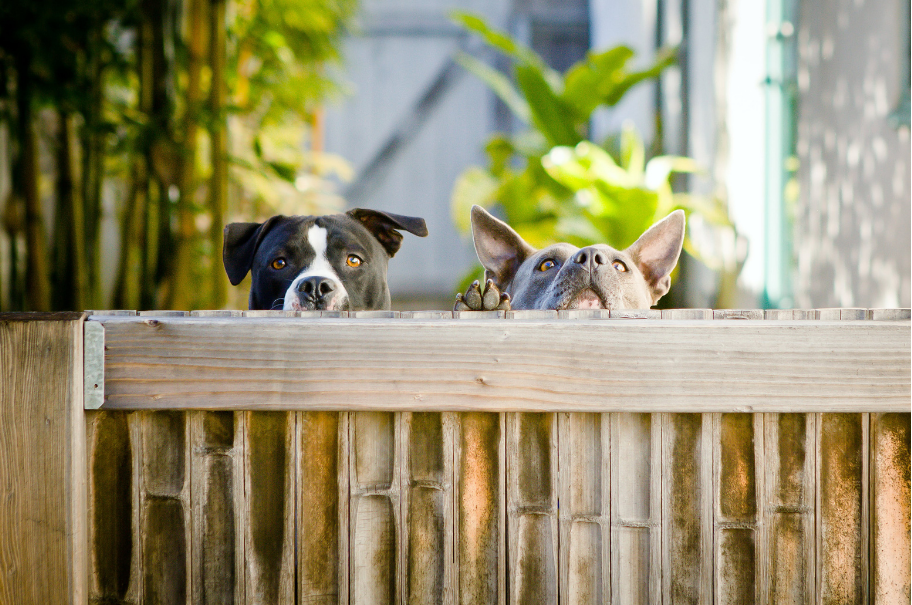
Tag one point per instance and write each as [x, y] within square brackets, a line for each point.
[890, 515]
[636, 450]
[269, 478]
[112, 551]
[480, 489]
[42, 460]
[374, 439]
[687, 508]
[188, 363]
[216, 470]
[322, 508]
[532, 508]
[841, 524]
[789, 547]
[738, 456]
[427, 508]
[584, 449]
[164, 505]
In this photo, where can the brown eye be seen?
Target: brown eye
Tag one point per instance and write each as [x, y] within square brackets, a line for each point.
[278, 264]
[353, 261]
[619, 266]
[548, 264]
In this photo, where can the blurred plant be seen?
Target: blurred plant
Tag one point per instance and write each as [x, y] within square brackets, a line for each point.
[553, 184]
[137, 98]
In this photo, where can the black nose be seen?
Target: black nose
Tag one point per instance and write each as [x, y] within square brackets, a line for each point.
[316, 287]
[590, 257]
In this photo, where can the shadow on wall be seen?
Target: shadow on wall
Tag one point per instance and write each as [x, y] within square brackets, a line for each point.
[853, 219]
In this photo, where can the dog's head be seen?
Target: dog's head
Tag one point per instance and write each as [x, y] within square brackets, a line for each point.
[332, 262]
[563, 276]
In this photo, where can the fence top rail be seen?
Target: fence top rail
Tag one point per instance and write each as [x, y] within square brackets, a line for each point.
[530, 362]
[833, 314]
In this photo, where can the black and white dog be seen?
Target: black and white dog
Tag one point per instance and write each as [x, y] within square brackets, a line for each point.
[308, 263]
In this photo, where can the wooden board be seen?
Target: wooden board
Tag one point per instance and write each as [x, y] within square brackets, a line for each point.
[43, 532]
[414, 365]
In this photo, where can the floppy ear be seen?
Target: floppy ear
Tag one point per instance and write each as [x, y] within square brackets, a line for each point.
[499, 248]
[656, 252]
[384, 225]
[241, 241]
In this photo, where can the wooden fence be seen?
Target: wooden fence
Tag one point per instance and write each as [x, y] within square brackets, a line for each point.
[414, 458]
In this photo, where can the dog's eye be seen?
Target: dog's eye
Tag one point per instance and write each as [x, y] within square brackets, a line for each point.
[548, 264]
[619, 266]
[278, 264]
[353, 261]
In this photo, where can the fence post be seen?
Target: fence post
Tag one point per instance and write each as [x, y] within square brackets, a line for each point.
[42, 459]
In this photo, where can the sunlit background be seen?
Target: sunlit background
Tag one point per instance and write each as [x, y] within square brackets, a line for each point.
[131, 133]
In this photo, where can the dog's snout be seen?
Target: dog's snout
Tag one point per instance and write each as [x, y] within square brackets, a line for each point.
[316, 287]
[591, 257]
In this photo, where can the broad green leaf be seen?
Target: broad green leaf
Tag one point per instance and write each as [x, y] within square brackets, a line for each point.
[498, 83]
[549, 114]
[506, 44]
[616, 89]
[585, 82]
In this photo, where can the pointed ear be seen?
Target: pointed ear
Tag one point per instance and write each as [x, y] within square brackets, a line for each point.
[240, 243]
[384, 225]
[499, 248]
[656, 252]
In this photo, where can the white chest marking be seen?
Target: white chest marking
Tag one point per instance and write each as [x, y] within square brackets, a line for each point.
[319, 267]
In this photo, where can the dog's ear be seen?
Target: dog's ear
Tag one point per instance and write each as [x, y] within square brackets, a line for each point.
[240, 244]
[384, 225]
[499, 248]
[656, 252]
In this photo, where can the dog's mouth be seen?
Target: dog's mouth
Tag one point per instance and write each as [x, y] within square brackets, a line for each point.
[586, 299]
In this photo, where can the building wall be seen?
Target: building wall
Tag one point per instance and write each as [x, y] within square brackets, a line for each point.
[414, 120]
[852, 224]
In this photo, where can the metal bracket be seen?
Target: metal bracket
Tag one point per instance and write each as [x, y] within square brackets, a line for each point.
[93, 364]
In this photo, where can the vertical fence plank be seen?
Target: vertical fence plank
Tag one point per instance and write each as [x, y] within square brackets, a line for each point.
[636, 442]
[738, 456]
[164, 463]
[375, 508]
[687, 519]
[427, 507]
[789, 502]
[269, 452]
[215, 472]
[585, 519]
[480, 487]
[112, 550]
[890, 523]
[322, 493]
[841, 545]
[532, 507]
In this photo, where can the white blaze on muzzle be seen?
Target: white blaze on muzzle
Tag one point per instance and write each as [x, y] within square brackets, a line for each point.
[319, 267]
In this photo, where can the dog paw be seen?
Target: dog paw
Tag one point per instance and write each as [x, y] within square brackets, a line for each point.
[492, 299]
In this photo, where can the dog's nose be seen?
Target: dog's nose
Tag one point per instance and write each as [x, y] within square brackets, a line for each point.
[316, 287]
[590, 257]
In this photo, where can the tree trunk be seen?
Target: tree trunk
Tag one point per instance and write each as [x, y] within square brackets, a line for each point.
[69, 225]
[37, 287]
[219, 139]
[179, 295]
[93, 154]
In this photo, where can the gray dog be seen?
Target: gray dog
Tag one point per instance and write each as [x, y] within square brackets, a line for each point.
[563, 276]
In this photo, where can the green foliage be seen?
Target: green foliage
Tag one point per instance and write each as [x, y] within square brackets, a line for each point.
[550, 182]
